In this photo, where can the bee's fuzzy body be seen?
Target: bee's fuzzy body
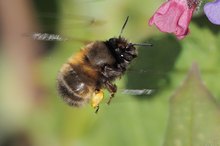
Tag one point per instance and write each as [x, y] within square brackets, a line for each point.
[95, 67]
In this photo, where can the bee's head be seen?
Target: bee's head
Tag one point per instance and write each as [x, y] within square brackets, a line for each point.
[122, 48]
[123, 51]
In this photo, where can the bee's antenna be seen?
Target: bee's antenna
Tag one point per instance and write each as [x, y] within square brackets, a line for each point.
[122, 29]
[143, 44]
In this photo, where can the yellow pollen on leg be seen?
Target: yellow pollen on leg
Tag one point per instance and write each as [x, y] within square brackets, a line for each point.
[97, 97]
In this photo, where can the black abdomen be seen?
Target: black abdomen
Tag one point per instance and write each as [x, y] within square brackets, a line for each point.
[73, 86]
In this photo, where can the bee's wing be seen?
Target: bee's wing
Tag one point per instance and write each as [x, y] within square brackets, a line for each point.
[137, 92]
[49, 37]
[123, 93]
[142, 82]
[69, 21]
[60, 28]
[134, 87]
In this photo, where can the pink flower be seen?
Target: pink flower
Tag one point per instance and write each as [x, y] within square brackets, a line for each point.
[174, 17]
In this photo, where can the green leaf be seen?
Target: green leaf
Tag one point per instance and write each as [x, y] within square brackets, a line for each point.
[194, 115]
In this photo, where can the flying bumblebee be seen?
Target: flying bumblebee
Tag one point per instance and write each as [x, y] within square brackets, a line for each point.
[82, 79]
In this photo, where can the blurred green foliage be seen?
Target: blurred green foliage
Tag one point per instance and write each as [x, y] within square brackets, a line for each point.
[194, 114]
[128, 120]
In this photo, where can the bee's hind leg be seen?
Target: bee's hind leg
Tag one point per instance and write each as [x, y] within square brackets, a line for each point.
[97, 109]
[97, 97]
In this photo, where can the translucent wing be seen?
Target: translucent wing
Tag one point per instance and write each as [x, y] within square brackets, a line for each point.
[49, 37]
[137, 92]
[70, 20]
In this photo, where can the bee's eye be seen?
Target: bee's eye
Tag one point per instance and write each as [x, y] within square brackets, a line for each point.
[118, 50]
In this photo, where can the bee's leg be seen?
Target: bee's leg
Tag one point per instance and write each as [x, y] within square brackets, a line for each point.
[110, 72]
[112, 88]
[97, 97]
[97, 109]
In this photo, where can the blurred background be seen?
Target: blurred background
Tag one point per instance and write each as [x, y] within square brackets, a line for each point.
[33, 114]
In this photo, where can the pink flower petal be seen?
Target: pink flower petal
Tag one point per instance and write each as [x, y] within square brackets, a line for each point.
[174, 17]
[162, 10]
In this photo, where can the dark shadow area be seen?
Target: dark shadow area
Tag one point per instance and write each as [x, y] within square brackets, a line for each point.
[152, 67]
[16, 139]
[202, 21]
[48, 12]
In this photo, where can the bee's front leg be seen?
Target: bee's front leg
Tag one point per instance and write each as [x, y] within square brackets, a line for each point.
[112, 88]
[110, 72]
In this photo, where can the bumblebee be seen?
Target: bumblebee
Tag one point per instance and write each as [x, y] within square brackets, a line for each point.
[82, 79]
